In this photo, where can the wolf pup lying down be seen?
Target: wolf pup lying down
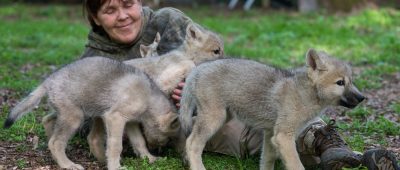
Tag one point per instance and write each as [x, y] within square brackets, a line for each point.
[100, 87]
[278, 101]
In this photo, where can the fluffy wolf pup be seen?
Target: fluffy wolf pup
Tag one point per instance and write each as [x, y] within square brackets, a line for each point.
[166, 71]
[279, 101]
[100, 87]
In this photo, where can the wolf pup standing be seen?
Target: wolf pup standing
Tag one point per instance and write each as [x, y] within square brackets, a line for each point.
[166, 71]
[279, 101]
[101, 87]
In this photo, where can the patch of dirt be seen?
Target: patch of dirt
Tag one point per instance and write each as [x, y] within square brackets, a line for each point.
[380, 101]
[22, 155]
[7, 98]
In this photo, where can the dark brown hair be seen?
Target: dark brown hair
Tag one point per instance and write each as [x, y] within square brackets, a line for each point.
[90, 9]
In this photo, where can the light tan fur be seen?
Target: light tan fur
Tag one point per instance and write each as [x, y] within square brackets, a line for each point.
[279, 101]
[108, 91]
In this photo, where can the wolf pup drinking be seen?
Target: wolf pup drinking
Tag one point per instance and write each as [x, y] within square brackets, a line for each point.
[100, 87]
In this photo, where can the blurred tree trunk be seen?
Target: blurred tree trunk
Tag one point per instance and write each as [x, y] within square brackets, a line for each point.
[308, 5]
[345, 5]
[65, 1]
[265, 3]
[390, 3]
[335, 5]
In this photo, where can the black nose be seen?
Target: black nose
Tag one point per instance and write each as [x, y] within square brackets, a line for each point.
[360, 98]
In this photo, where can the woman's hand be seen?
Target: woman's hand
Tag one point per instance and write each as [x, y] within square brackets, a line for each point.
[177, 94]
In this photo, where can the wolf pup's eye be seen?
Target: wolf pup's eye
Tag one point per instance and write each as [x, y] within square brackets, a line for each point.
[217, 51]
[340, 83]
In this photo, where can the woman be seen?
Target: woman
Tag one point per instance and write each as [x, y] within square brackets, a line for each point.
[119, 27]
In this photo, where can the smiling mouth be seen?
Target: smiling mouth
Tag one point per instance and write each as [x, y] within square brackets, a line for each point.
[124, 26]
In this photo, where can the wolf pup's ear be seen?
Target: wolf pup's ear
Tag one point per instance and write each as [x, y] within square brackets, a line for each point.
[314, 60]
[158, 38]
[144, 50]
[193, 32]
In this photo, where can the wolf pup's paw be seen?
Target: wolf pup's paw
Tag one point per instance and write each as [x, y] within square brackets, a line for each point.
[185, 160]
[152, 159]
[122, 168]
[74, 167]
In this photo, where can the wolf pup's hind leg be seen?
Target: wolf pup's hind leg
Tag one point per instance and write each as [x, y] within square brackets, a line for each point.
[48, 122]
[285, 144]
[96, 139]
[138, 142]
[208, 122]
[268, 155]
[115, 124]
[68, 121]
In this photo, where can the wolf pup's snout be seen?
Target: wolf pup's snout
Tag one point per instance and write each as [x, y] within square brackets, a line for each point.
[360, 98]
[352, 98]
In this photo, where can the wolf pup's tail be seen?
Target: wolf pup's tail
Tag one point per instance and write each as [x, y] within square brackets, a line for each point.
[188, 106]
[25, 106]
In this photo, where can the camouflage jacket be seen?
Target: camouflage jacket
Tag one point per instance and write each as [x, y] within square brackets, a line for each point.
[169, 22]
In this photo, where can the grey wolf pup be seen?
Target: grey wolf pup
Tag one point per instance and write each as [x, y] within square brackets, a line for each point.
[119, 94]
[167, 71]
[279, 101]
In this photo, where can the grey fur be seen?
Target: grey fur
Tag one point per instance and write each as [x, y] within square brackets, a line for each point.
[166, 71]
[101, 88]
[279, 101]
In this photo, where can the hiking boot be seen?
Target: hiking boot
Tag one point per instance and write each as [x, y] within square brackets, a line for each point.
[332, 150]
[379, 159]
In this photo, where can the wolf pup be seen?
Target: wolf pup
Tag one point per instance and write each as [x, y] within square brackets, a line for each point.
[151, 49]
[100, 87]
[167, 71]
[278, 101]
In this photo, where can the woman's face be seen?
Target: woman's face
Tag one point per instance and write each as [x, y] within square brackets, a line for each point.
[121, 19]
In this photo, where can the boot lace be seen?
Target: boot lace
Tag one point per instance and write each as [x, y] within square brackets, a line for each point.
[327, 137]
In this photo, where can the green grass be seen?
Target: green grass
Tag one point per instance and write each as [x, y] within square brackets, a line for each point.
[211, 161]
[35, 40]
